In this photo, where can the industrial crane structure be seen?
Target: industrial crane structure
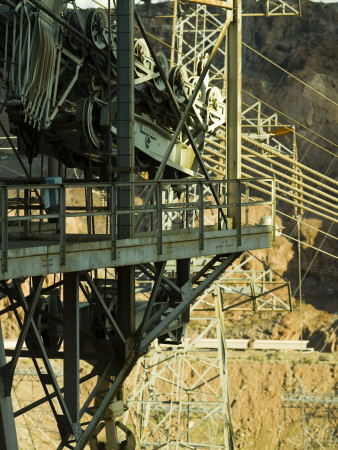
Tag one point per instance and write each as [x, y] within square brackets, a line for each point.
[81, 91]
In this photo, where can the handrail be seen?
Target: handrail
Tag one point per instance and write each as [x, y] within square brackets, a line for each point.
[186, 204]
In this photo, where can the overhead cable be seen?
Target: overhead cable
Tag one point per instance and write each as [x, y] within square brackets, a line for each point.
[311, 246]
[290, 74]
[295, 121]
[288, 159]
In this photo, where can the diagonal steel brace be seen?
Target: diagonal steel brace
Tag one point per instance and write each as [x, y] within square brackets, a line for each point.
[183, 117]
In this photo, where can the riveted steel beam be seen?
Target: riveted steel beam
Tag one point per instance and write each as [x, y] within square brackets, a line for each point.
[125, 160]
[234, 102]
[71, 333]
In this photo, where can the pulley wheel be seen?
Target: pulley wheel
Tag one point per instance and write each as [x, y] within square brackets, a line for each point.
[142, 55]
[90, 121]
[142, 51]
[177, 78]
[77, 21]
[201, 96]
[163, 61]
[97, 27]
[201, 63]
[214, 100]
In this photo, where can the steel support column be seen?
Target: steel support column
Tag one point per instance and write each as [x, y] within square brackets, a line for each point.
[234, 100]
[183, 277]
[53, 167]
[125, 157]
[183, 271]
[71, 344]
[8, 440]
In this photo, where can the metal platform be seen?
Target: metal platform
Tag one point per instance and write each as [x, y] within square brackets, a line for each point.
[31, 258]
[34, 241]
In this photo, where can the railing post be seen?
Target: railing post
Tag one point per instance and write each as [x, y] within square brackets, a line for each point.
[27, 212]
[4, 229]
[201, 215]
[159, 218]
[113, 220]
[239, 213]
[62, 225]
[187, 205]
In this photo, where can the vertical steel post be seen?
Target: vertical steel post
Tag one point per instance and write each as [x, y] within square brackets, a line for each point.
[182, 271]
[234, 100]
[4, 228]
[71, 344]
[173, 36]
[222, 355]
[125, 158]
[239, 214]
[53, 167]
[201, 215]
[159, 217]
[273, 209]
[62, 196]
[113, 220]
[8, 440]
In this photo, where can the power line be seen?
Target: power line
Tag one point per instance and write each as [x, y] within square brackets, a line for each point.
[295, 121]
[290, 74]
[311, 246]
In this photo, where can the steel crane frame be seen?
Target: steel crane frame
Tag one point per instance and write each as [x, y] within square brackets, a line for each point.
[166, 311]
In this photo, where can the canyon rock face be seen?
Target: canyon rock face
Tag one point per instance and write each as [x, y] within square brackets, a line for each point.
[305, 47]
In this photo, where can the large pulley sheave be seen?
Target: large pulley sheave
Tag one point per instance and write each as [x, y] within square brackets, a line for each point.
[98, 27]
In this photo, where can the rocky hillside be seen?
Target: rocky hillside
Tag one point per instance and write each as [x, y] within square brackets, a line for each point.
[262, 420]
[306, 47]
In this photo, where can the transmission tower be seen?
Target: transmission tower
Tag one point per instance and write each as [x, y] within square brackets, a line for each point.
[314, 418]
[180, 395]
[187, 386]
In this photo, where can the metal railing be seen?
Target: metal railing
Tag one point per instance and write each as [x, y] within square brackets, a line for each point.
[24, 215]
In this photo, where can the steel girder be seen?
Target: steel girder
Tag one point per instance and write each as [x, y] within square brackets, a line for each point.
[163, 316]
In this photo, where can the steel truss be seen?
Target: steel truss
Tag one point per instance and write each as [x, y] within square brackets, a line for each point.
[314, 418]
[67, 322]
[187, 385]
[95, 318]
[180, 395]
[254, 289]
[266, 141]
[272, 8]
[194, 32]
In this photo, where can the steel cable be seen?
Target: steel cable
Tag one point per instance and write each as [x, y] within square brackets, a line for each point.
[290, 74]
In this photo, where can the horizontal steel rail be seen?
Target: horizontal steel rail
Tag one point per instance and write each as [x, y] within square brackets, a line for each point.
[15, 214]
